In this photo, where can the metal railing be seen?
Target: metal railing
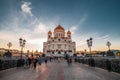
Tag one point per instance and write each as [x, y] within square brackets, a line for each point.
[113, 65]
[10, 63]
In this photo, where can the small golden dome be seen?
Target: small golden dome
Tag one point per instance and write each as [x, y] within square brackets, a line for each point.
[59, 28]
[49, 32]
[68, 32]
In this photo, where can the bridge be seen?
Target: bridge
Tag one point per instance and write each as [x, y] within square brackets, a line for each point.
[59, 71]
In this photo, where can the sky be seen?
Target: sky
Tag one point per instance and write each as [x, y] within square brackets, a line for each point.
[32, 19]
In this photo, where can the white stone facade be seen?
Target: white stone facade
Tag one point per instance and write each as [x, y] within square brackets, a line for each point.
[58, 43]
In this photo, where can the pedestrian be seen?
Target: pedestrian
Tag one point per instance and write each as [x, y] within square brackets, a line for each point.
[0, 64]
[50, 59]
[108, 65]
[29, 62]
[32, 62]
[70, 61]
[92, 62]
[39, 64]
[45, 60]
[40, 60]
[89, 60]
[25, 63]
[58, 59]
[35, 63]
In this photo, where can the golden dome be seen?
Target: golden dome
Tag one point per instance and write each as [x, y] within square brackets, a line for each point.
[59, 28]
[49, 32]
[68, 32]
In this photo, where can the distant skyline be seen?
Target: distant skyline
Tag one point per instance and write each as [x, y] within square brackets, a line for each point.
[32, 19]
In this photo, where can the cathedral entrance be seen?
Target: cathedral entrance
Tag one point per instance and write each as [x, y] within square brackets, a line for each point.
[59, 52]
[65, 52]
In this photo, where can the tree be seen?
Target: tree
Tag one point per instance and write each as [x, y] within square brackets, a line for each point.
[8, 54]
[108, 44]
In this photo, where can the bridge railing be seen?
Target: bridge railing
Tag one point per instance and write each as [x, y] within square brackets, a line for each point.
[110, 64]
[10, 63]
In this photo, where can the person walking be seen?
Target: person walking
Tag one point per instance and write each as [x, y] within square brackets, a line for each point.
[108, 65]
[25, 63]
[58, 59]
[92, 62]
[50, 59]
[35, 63]
[38, 67]
[45, 60]
[32, 62]
[29, 61]
[70, 61]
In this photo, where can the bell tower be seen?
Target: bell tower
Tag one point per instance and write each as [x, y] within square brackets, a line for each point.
[69, 34]
[49, 34]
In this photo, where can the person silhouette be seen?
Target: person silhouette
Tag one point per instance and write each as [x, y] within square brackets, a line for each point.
[108, 65]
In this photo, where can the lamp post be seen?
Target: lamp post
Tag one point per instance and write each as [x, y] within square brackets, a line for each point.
[108, 44]
[22, 44]
[89, 43]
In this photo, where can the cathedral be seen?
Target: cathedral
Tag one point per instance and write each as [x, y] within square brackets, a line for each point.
[59, 42]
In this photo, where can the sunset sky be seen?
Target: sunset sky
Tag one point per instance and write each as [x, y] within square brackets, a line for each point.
[32, 19]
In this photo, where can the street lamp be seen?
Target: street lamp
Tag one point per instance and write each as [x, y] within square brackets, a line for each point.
[89, 43]
[22, 44]
[108, 44]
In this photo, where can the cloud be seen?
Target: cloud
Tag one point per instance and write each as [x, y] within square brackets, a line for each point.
[73, 29]
[32, 29]
[82, 20]
[79, 24]
[98, 40]
[36, 41]
[106, 37]
[32, 39]
[41, 28]
[26, 8]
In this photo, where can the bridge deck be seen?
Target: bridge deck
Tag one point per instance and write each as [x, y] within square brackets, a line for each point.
[59, 71]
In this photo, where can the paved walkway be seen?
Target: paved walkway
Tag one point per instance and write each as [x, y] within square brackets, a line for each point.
[59, 71]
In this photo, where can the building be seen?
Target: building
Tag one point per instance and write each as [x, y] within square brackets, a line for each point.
[59, 42]
[13, 51]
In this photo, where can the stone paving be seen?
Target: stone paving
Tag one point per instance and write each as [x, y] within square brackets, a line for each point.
[59, 71]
